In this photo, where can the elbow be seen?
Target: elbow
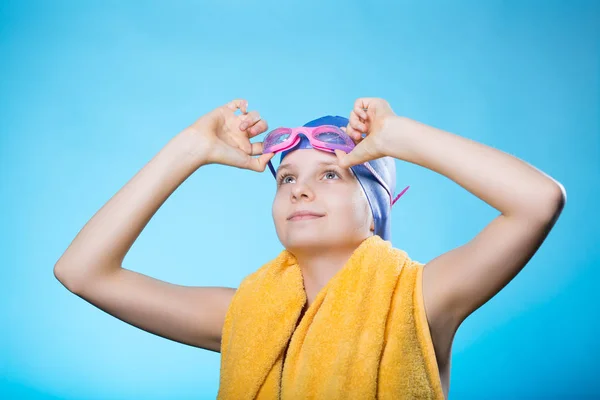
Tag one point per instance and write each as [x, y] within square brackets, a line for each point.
[551, 203]
[545, 206]
[61, 276]
[77, 275]
[557, 198]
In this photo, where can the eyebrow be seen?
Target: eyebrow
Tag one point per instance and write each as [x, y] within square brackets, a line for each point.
[290, 166]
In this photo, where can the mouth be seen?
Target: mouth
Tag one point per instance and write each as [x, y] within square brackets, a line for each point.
[304, 215]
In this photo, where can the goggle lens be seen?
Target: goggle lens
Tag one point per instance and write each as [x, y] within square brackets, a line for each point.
[330, 137]
[281, 138]
[276, 138]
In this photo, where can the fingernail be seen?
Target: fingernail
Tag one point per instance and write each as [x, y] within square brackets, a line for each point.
[243, 126]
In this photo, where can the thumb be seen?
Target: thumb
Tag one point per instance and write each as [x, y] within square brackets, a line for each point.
[235, 157]
[341, 155]
[257, 164]
[358, 155]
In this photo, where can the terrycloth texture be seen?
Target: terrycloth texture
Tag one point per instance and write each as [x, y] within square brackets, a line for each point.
[365, 336]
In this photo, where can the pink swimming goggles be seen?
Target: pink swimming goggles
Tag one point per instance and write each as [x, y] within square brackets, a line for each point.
[324, 137]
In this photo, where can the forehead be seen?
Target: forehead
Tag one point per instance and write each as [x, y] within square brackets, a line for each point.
[305, 158]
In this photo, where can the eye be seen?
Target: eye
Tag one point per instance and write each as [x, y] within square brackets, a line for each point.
[331, 172]
[283, 179]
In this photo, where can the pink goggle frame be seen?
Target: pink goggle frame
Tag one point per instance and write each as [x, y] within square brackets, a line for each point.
[323, 137]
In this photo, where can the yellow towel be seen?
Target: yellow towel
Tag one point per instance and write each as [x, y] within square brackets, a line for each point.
[365, 336]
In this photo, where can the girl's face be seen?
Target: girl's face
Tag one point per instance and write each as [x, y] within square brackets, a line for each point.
[310, 180]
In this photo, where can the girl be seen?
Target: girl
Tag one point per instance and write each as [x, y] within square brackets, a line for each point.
[339, 313]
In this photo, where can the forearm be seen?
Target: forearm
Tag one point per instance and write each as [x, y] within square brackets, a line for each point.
[506, 183]
[103, 242]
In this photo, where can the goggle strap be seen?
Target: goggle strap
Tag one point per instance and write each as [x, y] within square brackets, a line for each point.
[400, 194]
[272, 169]
[385, 186]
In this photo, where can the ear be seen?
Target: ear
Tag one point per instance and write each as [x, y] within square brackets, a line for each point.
[372, 226]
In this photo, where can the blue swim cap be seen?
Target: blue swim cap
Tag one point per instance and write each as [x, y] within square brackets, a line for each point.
[377, 195]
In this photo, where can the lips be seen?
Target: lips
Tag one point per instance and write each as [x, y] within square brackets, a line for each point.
[304, 214]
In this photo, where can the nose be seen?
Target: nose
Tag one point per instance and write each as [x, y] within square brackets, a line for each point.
[301, 190]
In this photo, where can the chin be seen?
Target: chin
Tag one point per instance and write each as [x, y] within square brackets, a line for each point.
[317, 240]
[305, 240]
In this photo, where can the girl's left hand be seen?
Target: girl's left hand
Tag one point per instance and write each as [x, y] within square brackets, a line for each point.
[372, 116]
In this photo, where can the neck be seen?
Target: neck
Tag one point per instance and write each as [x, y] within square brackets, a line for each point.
[318, 267]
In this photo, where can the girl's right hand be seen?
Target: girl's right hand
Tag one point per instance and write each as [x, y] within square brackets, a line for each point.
[224, 137]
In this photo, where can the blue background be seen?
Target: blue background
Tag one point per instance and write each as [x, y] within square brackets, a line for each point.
[91, 91]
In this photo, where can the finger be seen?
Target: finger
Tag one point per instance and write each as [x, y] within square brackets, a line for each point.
[351, 134]
[355, 135]
[360, 112]
[260, 127]
[362, 104]
[257, 148]
[368, 106]
[249, 119]
[356, 124]
[236, 104]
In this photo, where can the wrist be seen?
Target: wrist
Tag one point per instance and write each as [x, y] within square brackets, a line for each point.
[400, 131]
[417, 141]
[188, 147]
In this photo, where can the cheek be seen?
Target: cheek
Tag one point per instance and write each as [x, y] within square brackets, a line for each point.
[351, 208]
[359, 208]
[279, 207]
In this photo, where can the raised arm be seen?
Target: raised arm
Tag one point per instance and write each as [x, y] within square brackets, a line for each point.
[458, 282]
[91, 267]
